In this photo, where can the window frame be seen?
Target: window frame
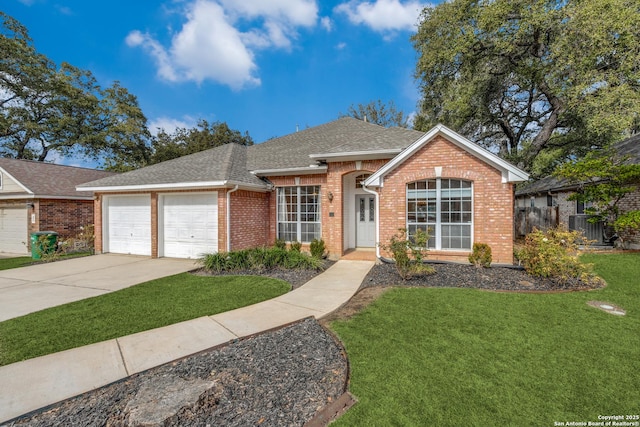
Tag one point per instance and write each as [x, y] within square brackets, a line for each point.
[435, 228]
[302, 210]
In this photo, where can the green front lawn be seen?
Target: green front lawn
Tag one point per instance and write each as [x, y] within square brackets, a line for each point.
[138, 308]
[475, 358]
[7, 263]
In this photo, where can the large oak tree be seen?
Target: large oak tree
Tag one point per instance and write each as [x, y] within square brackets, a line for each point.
[539, 81]
[47, 109]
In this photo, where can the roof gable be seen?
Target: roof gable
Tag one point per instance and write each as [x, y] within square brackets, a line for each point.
[510, 173]
[39, 179]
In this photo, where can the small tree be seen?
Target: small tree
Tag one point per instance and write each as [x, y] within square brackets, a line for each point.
[409, 253]
[605, 178]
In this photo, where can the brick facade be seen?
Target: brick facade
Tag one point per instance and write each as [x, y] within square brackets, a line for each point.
[250, 224]
[493, 201]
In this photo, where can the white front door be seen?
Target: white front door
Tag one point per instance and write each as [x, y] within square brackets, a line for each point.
[128, 224]
[190, 225]
[365, 221]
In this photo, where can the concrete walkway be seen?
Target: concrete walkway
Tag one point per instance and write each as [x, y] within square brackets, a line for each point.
[35, 383]
[36, 287]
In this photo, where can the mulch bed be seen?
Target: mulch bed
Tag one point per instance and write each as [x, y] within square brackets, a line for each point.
[280, 378]
[467, 276]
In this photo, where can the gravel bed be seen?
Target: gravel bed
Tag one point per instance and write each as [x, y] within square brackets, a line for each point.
[280, 378]
[468, 276]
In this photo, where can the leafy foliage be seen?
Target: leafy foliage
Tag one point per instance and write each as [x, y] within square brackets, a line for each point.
[45, 108]
[317, 248]
[379, 113]
[604, 179]
[530, 76]
[188, 141]
[481, 255]
[295, 246]
[259, 259]
[409, 253]
[554, 253]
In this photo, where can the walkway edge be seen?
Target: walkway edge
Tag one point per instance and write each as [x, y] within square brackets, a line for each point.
[36, 383]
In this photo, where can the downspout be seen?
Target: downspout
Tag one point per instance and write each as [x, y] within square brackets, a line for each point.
[229, 217]
[375, 194]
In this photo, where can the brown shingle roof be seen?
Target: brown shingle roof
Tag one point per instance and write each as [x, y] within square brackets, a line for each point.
[51, 180]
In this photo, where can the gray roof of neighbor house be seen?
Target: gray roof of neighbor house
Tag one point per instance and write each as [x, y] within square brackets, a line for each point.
[629, 147]
[223, 165]
[232, 164]
[49, 180]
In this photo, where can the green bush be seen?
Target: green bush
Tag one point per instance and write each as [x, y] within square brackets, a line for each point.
[280, 244]
[481, 255]
[295, 246]
[554, 253]
[258, 259]
[409, 253]
[317, 248]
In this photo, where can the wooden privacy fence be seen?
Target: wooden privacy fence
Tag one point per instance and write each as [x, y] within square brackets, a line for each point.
[526, 219]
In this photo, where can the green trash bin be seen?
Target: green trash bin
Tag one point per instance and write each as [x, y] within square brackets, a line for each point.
[43, 243]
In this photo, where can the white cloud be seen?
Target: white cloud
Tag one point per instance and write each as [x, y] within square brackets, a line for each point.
[326, 23]
[219, 38]
[169, 124]
[383, 15]
[341, 45]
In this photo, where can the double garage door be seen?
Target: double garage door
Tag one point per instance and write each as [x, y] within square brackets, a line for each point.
[187, 224]
[13, 230]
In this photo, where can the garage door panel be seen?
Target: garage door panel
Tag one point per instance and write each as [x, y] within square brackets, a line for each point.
[129, 224]
[13, 230]
[190, 225]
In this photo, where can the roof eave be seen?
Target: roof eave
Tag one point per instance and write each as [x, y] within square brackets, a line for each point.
[357, 155]
[307, 170]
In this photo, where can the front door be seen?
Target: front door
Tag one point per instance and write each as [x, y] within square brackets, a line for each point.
[365, 221]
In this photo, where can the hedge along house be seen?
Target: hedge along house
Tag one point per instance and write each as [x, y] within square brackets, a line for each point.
[37, 196]
[348, 182]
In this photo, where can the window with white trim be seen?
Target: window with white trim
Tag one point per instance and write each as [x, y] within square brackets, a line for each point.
[299, 213]
[443, 208]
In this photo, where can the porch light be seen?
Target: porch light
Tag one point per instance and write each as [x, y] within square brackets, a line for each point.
[330, 196]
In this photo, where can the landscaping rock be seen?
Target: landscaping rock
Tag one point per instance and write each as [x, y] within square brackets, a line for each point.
[280, 378]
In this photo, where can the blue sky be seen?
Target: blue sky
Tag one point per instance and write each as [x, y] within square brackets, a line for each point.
[262, 66]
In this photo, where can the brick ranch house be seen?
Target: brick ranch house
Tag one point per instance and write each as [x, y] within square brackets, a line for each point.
[37, 196]
[550, 194]
[348, 182]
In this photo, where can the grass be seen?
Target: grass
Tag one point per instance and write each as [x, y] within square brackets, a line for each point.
[8, 263]
[469, 357]
[145, 306]
[24, 261]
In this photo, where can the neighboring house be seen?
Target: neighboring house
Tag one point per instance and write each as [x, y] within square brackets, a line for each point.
[37, 196]
[548, 198]
[348, 182]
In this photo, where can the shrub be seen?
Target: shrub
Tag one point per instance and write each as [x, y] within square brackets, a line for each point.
[295, 246]
[280, 244]
[554, 253]
[317, 248]
[481, 255]
[258, 259]
[409, 253]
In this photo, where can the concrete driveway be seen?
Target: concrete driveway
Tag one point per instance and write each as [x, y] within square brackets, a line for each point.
[28, 289]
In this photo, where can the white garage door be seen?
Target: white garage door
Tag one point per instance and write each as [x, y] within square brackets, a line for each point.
[13, 230]
[190, 224]
[128, 225]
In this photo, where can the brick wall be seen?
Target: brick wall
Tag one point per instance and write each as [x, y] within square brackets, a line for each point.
[66, 217]
[492, 200]
[250, 222]
[630, 202]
